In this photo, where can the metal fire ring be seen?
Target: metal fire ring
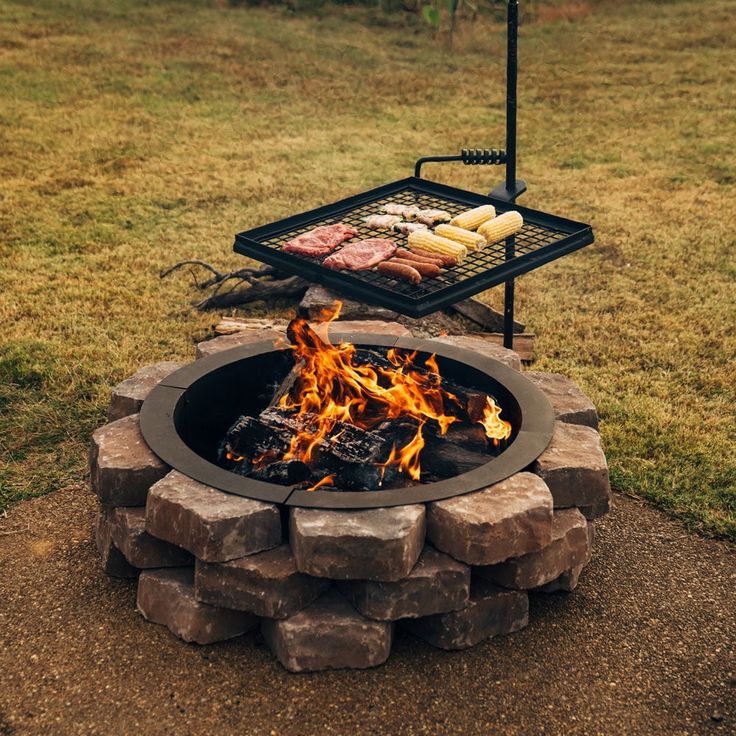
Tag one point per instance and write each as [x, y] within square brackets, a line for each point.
[533, 432]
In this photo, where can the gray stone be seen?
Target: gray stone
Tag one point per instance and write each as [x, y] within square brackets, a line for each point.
[122, 466]
[167, 597]
[483, 347]
[570, 547]
[376, 327]
[508, 519]
[129, 395]
[319, 299]
[370, 544]
[236, 339]
[571, 405]
[491, 611]
[266, 584]
[574, 467]
[329, 634]
[141, 549]
[437, 584]
[214, 526]
[567, 582]
[111, 558]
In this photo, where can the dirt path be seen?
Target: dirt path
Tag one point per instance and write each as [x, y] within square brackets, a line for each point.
[644, 646]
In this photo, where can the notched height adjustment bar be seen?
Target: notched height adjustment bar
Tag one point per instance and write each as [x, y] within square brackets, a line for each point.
[469, 156]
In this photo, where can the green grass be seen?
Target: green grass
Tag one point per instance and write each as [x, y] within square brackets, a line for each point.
[136, 134]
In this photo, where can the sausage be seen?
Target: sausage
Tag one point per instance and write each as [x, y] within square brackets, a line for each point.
[424, 267]
[399, 271]
[411, 256]
[447, 260]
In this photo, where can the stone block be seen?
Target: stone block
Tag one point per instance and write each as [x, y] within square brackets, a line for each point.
[111, 558]
[369, 544]
[214, 526]
[167, 597]
[574, 467]
[437, 584]
[329, 634]
[122, 466]
[235, 340]
[491, 611]
[571, 405]
[373, 326]
[128, 396]
[483, 347]
[508, 519]
[567, 582]
[266, 584]
[141, 549]
[570, 547]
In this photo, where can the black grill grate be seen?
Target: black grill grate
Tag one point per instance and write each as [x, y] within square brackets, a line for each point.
[542, 239]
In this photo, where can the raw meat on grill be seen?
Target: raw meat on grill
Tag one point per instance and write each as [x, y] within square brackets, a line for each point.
[405, 211]
[425, 268]
[400, 271]
[362, 255]
[432, 217]
[411, 256]
[408, 227]
[381, 222]
[320, 241]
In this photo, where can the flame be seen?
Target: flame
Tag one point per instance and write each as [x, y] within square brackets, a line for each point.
[328, 480]
[497, 429]
[235, 458]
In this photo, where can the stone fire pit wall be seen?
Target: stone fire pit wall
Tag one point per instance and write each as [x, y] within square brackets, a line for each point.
[327, 588]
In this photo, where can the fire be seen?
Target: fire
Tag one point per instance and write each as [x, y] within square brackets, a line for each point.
[335, 385]
[497, 429]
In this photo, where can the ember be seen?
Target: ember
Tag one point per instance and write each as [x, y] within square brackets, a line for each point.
[355, 419]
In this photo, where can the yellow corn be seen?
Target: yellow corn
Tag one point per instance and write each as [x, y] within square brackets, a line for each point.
[501, 227]
[471, 240]
[472, 219]
[436, 244]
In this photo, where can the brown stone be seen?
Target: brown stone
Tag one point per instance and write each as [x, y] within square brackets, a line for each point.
[266, 584]
[141, 549]
[567, 582]
[235, 340]
[319, 299]
[491, 611]
[570, 547]
[167, 597]
[595, 511]
[214, 526]
[483, 347]
[571, 405]
[437, 584]
[508, 519]
[574, 467]
[111, 558]
[370, 544]
[129, 395]
[122, 466]
[329, 634]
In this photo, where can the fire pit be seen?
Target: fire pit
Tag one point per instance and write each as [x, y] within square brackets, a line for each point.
[328, 574]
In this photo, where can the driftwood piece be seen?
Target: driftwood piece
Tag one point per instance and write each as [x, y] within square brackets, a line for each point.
[483, 315]
[294, 286]
[232, 325]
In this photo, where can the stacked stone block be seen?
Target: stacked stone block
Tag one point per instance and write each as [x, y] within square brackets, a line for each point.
[328, 587]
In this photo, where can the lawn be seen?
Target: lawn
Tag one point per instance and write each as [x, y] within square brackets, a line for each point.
[134, 134]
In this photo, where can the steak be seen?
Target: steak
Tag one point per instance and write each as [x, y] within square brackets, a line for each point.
[362, 255]
[320, 241]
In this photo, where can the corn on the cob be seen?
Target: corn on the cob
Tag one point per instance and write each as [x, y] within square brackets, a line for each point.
[472, 219]
[472, 241]
[436, 244]
[501, 227]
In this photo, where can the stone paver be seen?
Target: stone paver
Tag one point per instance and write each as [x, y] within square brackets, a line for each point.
[571, 405]
[128, 396]
[235, 340]
[484, 347]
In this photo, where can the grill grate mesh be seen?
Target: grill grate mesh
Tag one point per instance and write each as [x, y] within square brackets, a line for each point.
[537, 234]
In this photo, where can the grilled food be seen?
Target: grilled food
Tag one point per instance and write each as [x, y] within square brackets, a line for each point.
[502, 226]
[432, 217]
[445, 259]
[472, 219]
[430, 270]
[404, 211]
[436, 244]
[408, 227]
[320, 241]
[362, 255]
[472, 241]
[381, 222]
[399, 271]
[412, 256]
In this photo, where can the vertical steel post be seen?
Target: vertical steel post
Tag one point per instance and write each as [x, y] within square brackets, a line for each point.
[511, 74]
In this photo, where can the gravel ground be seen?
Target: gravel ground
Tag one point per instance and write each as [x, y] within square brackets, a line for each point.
[644, 646]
